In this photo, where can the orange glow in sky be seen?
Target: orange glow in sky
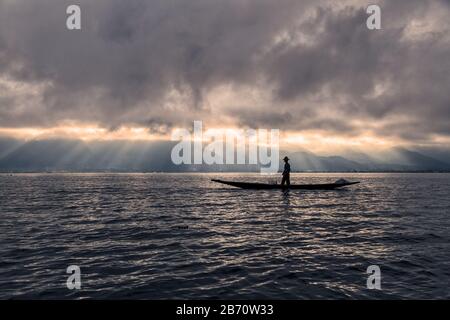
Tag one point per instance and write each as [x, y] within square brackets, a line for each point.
[314, 141]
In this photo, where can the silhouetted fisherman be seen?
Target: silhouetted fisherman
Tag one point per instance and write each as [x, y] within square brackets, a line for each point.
[286, 172]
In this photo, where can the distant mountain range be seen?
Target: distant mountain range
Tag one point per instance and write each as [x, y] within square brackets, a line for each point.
[121, 156]
[397, 159]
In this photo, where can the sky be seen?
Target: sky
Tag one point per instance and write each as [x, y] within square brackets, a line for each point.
[139, 69]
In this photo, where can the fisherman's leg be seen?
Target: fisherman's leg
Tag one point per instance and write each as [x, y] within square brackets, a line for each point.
[283, 180]
[288, 180]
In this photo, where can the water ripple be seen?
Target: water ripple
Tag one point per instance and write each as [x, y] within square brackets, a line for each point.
[157, 236]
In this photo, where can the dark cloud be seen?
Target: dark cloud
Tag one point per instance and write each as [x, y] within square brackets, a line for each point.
[155, 63]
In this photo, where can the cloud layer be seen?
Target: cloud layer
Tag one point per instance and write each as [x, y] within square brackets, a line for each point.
[289, 64]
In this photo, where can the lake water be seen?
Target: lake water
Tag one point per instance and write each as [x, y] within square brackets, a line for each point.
[159, 236]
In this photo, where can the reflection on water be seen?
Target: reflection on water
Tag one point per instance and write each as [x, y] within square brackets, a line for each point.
[182, 236]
